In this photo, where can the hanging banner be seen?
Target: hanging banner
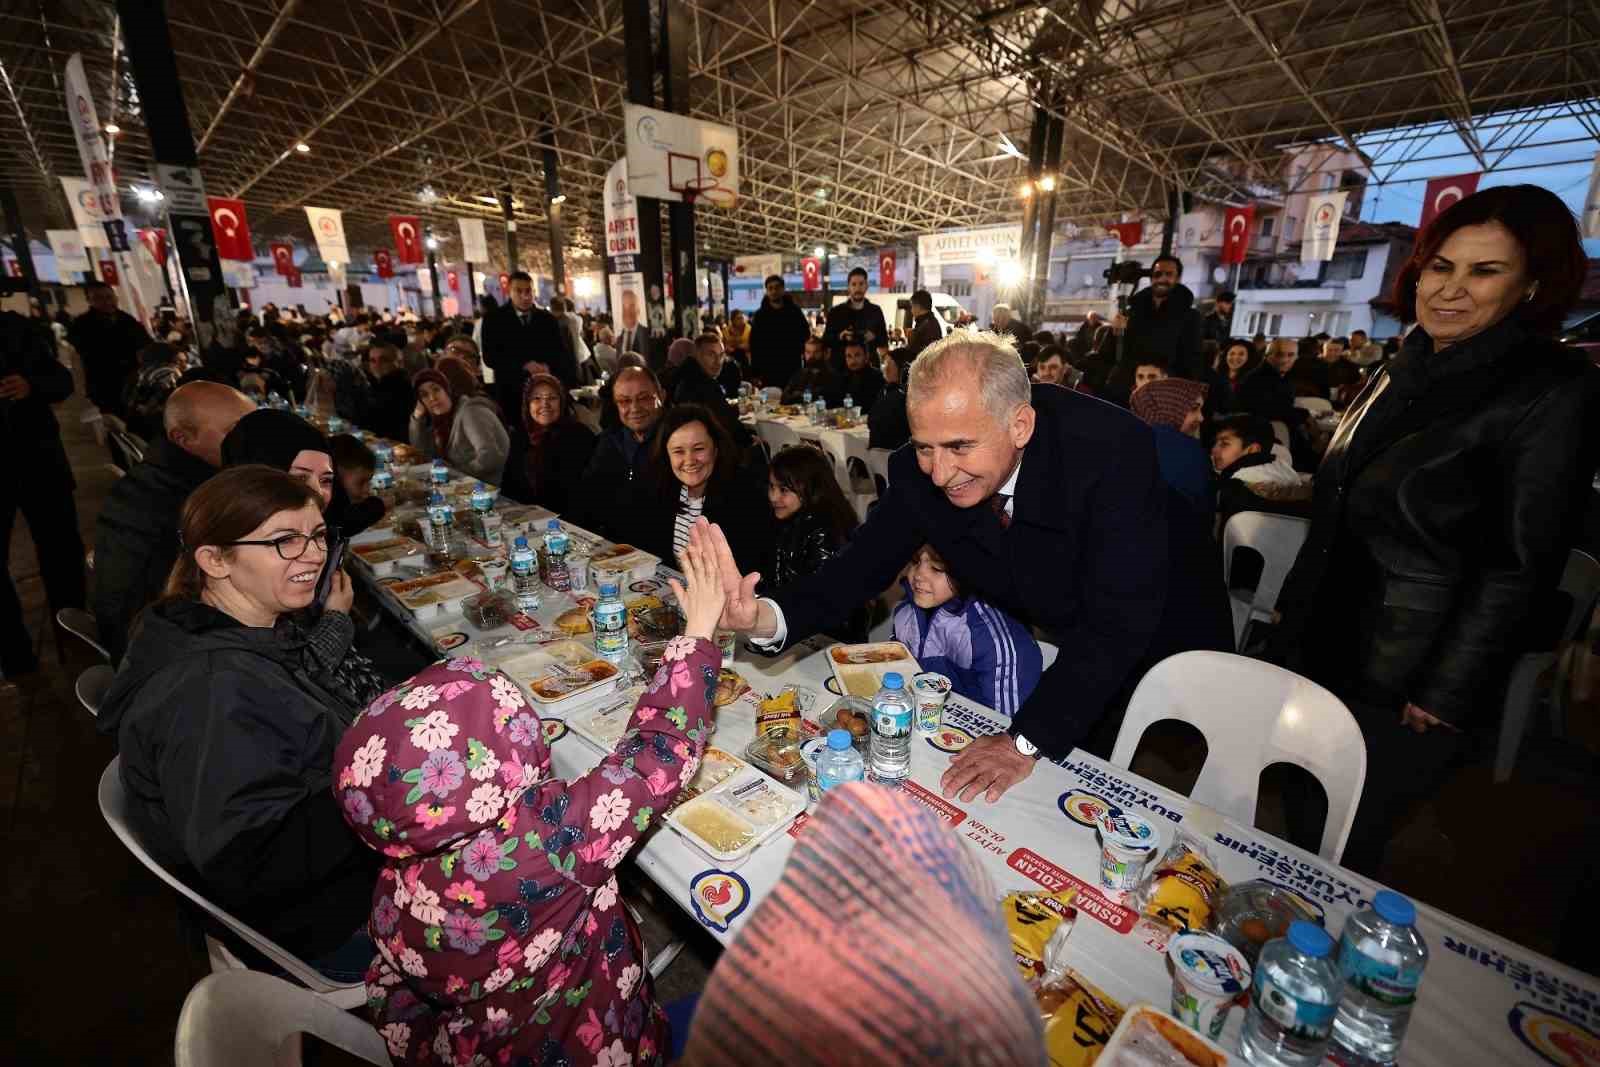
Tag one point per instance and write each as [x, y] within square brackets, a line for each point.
[1591, 204]
[1236, 222]
[156, 241]
[294, 279]
[229, 228]
[108, 272]
[994, 243]
[117, 235]
[407, 233]
[453, 280]
[627, 303]
[69, 250]
[718, 293]
[183, 188]
[505, 283]
[886, 269]
[85, 211]
[282, 257]
[384, 262]
[757, 267]
[237, 274]
[621, 213]
[1322, 227]
[96, 161]
[1442, 192]
[680, 159]
[474, 246]
[1128, 233]
[327, 226]
[811, 273]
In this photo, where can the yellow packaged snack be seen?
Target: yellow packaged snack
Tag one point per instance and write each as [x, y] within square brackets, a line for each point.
[1080, 1021]
[1031, 920]
[779, 713]
[1183, 889]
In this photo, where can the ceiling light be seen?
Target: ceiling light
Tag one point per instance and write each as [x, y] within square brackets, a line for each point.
[147, 194]
[821, 193]
[559, 198]
[113, 129]
[432, 242]
[819, 251]
[301, 147]
[427, 195]
[1010, 274]
[1047, 183]
[1025, 190]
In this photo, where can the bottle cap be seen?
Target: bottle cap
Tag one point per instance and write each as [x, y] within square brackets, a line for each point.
[1394, 908]
[892, 680]
[1310, 938]
[520, 542]
[553, 525]
[838, 740]
[479, 486]
[436, 498]
[608, 588]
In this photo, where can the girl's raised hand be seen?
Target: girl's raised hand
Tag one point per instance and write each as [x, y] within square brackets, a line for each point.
[702, 601]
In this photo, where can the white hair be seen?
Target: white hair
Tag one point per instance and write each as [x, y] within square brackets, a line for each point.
[1002, 378]
[1001, 307]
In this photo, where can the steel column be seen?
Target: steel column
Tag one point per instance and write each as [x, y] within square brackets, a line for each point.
[511, 231]
[677, 29]
[1047, 219]
[640, 51]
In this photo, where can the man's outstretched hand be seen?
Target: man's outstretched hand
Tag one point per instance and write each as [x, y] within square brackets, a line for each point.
[741, 610]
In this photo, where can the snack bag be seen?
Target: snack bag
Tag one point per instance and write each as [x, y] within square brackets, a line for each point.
[1184, 887]
[781, 712]
[1033, 920]
[1081, 1019]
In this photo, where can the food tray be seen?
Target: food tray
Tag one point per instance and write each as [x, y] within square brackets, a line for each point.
[561, 686]
[744, 812]
[1195, 1049]
[434, 594]
[383, 557]
[859, 669]
[604, 724]
[638, 563]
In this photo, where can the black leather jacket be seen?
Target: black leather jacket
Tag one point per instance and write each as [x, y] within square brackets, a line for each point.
[804, 543]
[1444, 510]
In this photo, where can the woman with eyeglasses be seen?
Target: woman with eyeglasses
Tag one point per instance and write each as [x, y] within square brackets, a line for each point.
[227, 741]
[549, 450]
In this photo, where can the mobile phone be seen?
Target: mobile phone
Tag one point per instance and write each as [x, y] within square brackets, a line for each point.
[329, 568]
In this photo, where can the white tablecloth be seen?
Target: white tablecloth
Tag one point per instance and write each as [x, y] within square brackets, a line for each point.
[1483, 1000]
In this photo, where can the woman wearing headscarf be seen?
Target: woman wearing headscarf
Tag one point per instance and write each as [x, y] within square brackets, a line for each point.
[286, 442]
[1172, 409]
[549, 450]
[455, 422]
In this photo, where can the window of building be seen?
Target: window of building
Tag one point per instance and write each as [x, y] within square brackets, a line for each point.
[1345, 266]
[1329, 180]
[1267, 225]
[1337, 323]
[952, 288]
[1274, 325]
[1291, 225]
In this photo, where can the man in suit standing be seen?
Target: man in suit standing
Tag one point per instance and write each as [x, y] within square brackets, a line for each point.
[520, 340]
[1044, 502]
[634, 334]
[108, 340]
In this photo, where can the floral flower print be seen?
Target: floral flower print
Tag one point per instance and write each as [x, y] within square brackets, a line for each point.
[615, 1056]
[465, 892]
[505, 692]
[497, 978]
[442, 772]
[357, 808]
[397, 1036]
[488, 764]
[382, 703]
[539, 950]
[464, 932]
[524, 729]
[628, 980]
[481, 857]
[433, 816]
[411, 963]
[606, 895]
[425, 906]
[496, 1021]
[679, 648]
[609, 811]
[466, 664]
[434, 731]
[368, 762]
[418, 698]
[619, 851]
[485, 803]
[385, 915]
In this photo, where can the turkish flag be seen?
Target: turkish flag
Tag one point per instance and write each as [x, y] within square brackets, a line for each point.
[282, 257]
[453, 280]
[156, 241]
[15, 267]
[811, 272]
[1442, 192]
[384, 262]
[108, 272]
[292, 276]
[886, 269]
[229, 229]
[1129, 233]
[1236, 232]
[505, 282]
[407, 233]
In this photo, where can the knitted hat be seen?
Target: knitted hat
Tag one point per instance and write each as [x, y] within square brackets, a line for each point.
[1167, 401]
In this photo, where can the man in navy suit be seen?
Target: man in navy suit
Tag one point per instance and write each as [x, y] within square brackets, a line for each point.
[520, 339]
[1049, 504]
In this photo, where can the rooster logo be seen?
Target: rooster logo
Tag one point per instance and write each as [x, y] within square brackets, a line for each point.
[718, 897]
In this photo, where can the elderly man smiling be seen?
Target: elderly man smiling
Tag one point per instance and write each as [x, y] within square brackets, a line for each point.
[1045, 502]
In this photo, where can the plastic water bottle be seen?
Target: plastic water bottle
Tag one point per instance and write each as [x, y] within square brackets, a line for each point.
[1381, 957]
[819, 414]
[892, 712]
[610, 620]
[382, 479]
[556, 544]
[805, 401]
[383, 453]
[1292, 1000]
[482, 498]
[439, 474]
[839, 762]
[442, 519]
[849, 406]
[525, 576]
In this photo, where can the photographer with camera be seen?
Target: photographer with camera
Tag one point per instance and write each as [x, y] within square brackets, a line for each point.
[1159, 324]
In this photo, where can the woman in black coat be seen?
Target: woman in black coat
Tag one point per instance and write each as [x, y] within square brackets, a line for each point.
[1448, 499]
[695, 469]
[549, 450]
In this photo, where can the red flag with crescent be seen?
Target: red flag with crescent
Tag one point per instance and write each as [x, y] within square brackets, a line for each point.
[1442, 192]
[1236, 223]
[886, 269]
[229, 229]
[453, 280]
[155, 240]
[1129, 233]
[293, 278]
[384, 261]
[811, 273]
[505, 282]
[407, 233]
[108, 271]
[282, 257]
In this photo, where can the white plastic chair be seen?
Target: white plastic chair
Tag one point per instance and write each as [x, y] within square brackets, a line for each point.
[1581, 582]
[92, 686]
[249, 1019]
[878, 466]
[777, 435]
[1278, 538]
[82, 625]
[1253, 715]
[1314, 404]
[1280, 432]
[114, 808]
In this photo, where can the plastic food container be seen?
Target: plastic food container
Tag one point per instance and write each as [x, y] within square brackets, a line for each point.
[488, 611]
[853, 714]
[731, 821]
[1147, 1035]
[930, 688]
[604, 725]
[1252, 913]
[563, 686]
[1208, 976]
[859, 669]
[383, 557]
[1127, 841]
[778, 754]
[810, 751]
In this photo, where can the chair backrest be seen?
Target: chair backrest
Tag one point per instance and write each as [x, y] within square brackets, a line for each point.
[1314, 404]
[114, 809]
[92, 686]
[1277, 537]
[777, 434]
[1581, 582]
[247, 1019]
[83, 626]
[878, 465]
[1253, 715]
[1280, 432]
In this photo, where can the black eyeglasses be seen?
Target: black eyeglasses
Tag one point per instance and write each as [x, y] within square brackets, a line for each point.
[291, 546]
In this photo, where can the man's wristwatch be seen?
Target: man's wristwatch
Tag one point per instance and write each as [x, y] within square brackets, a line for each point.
[1024, 746]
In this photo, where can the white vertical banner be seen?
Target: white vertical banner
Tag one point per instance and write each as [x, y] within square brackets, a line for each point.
[474, 246]
[621, 213]
[85, 212]
[757, 267]
[327, 226]
[1321, 233]
[1591, 204]
[70, 252]
[102, 180]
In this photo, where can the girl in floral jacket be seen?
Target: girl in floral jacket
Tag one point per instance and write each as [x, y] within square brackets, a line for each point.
[501, 933]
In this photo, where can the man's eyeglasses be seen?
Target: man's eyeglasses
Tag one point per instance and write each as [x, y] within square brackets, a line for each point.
[291, 546]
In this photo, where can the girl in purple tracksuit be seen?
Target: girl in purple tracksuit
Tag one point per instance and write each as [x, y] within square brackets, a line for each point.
[989, 657]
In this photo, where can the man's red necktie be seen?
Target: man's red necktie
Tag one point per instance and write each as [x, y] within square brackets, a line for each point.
[998, 502]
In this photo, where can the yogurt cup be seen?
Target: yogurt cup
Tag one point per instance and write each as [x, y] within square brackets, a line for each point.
[1127, 841]
[578, 569]
[931, 690]
[1208, 976]
[494, 572]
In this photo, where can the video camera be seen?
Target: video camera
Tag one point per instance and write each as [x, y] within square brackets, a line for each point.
[1128, 272]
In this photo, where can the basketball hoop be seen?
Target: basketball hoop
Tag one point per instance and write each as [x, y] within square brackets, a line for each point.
[709, 190]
